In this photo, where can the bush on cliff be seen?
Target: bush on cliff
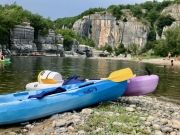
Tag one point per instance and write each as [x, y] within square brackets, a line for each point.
[171, 43]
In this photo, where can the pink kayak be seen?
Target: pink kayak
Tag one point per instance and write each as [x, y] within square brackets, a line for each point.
[142, 85]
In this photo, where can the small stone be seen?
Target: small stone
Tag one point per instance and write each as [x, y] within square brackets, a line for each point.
[157, 132]
[99, 130]
[130, 109]
[54, 117]
[29, 126]
[110, 114]
[147, 123]
[117, 123]
[150, 118]
[164, 121]
[25, 130]
[176, 124]
[54, 124]
[132, 106]
[81, 132]
[142, 118]
[32, 133]
[70, 128]
[60, 123]
[156, 126]
[87, 111]
[11, 133]
[166, 129]
[173, 133]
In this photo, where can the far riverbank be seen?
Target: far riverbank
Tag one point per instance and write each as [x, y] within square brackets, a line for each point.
[159, 61]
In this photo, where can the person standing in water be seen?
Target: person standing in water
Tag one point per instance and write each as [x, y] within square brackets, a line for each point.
[172, 62]
[169, 56]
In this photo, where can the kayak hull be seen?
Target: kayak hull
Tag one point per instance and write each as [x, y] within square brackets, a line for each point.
[16, 107]
[141, 85]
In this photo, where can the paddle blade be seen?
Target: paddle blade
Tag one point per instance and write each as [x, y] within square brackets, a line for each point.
[121, 75]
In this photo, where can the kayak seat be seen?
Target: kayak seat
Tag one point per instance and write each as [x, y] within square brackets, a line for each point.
[46, 93]
[73, 80]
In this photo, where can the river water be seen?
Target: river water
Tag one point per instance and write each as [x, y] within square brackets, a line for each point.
[22, 70]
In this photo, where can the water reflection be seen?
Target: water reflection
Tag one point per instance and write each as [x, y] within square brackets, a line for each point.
[22, 70]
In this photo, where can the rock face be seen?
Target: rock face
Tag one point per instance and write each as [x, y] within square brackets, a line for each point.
[103, 28]
[22, 40]
[48, 42]
[174, 11]
[22, 37]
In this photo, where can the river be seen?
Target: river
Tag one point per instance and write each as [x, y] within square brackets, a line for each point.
[22, 70]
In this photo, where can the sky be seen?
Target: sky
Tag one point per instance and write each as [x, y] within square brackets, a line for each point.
[64, 8]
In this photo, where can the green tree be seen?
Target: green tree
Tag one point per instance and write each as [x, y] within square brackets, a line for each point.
[161, 48]
[171, 43]
[162, 22]
[68, 42]
[107, 48]
[135, 49]
[120, 49]
[173, 40]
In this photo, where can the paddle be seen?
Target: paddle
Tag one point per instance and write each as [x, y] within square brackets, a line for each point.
[121, 75]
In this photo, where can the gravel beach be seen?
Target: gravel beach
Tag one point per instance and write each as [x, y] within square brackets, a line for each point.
[142, 115]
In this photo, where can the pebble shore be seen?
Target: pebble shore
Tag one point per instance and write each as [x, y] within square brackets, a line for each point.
[142, 115]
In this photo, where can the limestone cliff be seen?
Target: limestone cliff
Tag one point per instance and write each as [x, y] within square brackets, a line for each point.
[22, 38]
[174, 11]
[103, 28]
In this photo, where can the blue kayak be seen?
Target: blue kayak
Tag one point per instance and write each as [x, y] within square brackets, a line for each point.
[30, 105]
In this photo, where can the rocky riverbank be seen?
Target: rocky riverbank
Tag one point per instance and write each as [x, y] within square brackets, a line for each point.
[129, 115]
